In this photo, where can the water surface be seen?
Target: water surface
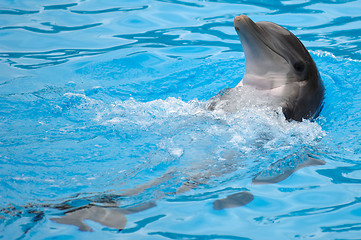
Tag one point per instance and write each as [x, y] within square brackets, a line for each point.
[99, 98]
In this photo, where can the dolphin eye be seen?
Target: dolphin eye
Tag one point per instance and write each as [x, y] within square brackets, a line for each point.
[299, 66]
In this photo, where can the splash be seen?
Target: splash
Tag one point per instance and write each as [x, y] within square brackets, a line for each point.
[241, 136]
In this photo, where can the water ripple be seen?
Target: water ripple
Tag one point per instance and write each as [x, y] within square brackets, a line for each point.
[171, 235]
[308, 212]
[17, 12]
[54, 28]
[109, 10]
[343, 228]
[60, 6]
[183, 3]
[143, 223]
[152, 39]
[340, 174]
[171, 36]
[53, 57]
[339, 21]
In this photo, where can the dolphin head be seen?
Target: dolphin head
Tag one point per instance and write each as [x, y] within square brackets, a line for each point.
[278, 63]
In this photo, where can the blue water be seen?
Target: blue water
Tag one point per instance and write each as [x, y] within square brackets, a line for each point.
[102, 97]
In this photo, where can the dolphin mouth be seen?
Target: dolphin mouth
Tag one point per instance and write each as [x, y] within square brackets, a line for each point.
[266, 67]
[249, 33]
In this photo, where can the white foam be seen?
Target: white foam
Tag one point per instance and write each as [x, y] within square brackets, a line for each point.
[246, 124]
[321, 53]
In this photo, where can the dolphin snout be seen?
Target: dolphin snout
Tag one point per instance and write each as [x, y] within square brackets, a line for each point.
[242, 21]
[240, 18]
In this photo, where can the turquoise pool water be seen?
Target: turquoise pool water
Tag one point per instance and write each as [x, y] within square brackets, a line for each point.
[100, 98]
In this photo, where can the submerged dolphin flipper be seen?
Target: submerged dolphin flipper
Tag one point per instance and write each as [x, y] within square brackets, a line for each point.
[112, 217]
[109, 217]
[233, 200]
[284, 168]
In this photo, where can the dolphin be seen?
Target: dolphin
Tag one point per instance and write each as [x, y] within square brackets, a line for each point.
[278, 64]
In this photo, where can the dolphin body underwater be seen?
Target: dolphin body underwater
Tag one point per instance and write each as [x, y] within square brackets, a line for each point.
[277, 64]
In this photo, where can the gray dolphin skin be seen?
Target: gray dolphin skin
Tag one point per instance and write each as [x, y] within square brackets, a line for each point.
[278, 64]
